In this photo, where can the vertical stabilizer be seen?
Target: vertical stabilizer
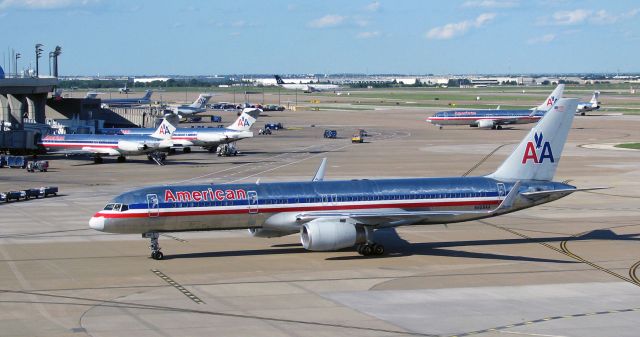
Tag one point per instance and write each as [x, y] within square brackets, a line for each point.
[246, 119]
[164, 131]
[537, 156]
[555, 95]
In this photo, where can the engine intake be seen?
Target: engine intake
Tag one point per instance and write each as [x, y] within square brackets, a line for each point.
[331, 234]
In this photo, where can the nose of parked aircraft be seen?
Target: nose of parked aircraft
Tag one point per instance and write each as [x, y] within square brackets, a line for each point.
[97, 223]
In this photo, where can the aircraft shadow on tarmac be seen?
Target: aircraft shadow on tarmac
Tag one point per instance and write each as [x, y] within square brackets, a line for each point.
[398, 247]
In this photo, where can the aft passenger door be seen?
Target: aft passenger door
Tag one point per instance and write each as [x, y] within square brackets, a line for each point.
[153, 205]
[252, 198]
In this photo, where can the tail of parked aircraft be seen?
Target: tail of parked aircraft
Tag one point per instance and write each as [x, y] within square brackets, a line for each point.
[246, 119]
[278, 79]
[201, 101]
[556, 94]
[594, 99]
[537, 156]
[147, 94]
[164, 131]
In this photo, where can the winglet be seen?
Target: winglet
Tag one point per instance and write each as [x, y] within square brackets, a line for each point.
[320, 172]
[507, 202]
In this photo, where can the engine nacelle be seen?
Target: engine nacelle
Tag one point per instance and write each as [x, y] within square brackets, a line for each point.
[217, 137]
[268, 233]
[331, 234]
[486, 123]
[129, 146]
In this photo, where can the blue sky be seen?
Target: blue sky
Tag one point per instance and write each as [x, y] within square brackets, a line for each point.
[381, 36]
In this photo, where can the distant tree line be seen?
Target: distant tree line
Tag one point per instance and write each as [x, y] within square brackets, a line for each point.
[171, 83]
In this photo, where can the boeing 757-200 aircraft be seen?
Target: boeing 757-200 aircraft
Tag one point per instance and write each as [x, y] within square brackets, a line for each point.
[331, 215]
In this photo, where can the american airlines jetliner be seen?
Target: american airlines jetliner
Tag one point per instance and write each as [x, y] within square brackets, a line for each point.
[208, 138]
[593, 104]
[495, 119]
[200, 105]
[331, 215]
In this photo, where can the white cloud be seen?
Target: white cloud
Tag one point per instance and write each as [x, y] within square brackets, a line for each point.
[372, 7]
[44, 4]
[490, 3]
[330, 20]
[579, 16]
[367, 35]
[451, 30]
[570, 17]
[238, 24]
[542, 39]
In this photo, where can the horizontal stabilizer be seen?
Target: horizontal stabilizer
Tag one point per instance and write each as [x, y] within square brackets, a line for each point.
[561, 192]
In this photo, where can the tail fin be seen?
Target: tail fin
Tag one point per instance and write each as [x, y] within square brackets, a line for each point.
[164, 131]
[201, 101]
[594, 98]
[147, 94]
[246, 119]
[537, 156]
[556, 94]
[278, 79]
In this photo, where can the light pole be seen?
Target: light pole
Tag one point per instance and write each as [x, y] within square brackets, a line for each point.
[56, 53]
[16, 63]
[38, 54]
[50, 60]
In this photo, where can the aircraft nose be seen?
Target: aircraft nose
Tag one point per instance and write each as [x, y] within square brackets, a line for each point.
[97, 223]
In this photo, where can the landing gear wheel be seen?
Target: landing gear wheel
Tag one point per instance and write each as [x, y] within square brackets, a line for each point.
[499, 127]
[378, 249]
[97, 160]
[122, 159]
[157, 255]
[186, 150]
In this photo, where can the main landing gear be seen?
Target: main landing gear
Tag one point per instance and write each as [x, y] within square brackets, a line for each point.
[156, 254]
[370, 248]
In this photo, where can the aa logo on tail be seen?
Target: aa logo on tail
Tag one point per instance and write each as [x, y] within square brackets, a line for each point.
[539, 151]
[163, 130]
[552, 100]
[243, 121]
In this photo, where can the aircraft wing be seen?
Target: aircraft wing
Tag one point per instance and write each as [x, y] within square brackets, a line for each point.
[89, 150]
[399, 217]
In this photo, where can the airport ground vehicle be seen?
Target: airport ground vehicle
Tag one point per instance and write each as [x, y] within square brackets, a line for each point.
[363, 133]
[226, 150]
[264, 132]
[357, 138]
[40, 165]
[17, 161]
[216, 119]
[12, 195]
[34, 193]
[273, 126]
[273, 107]
[330, 134]
[49, 190]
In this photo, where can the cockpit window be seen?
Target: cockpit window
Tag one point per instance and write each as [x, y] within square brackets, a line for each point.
[116, 207]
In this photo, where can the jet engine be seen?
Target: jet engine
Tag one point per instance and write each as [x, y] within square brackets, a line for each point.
[129, 146]
[486, 124]
[331, 234]
[217, 137]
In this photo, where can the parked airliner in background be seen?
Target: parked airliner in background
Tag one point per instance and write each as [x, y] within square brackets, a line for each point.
[112, 145]
[128, 102]
[200, 105]
[208, 138]
[306, 87]
[331, 215]
[495, 119]
[124, 90]
[593, 104]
